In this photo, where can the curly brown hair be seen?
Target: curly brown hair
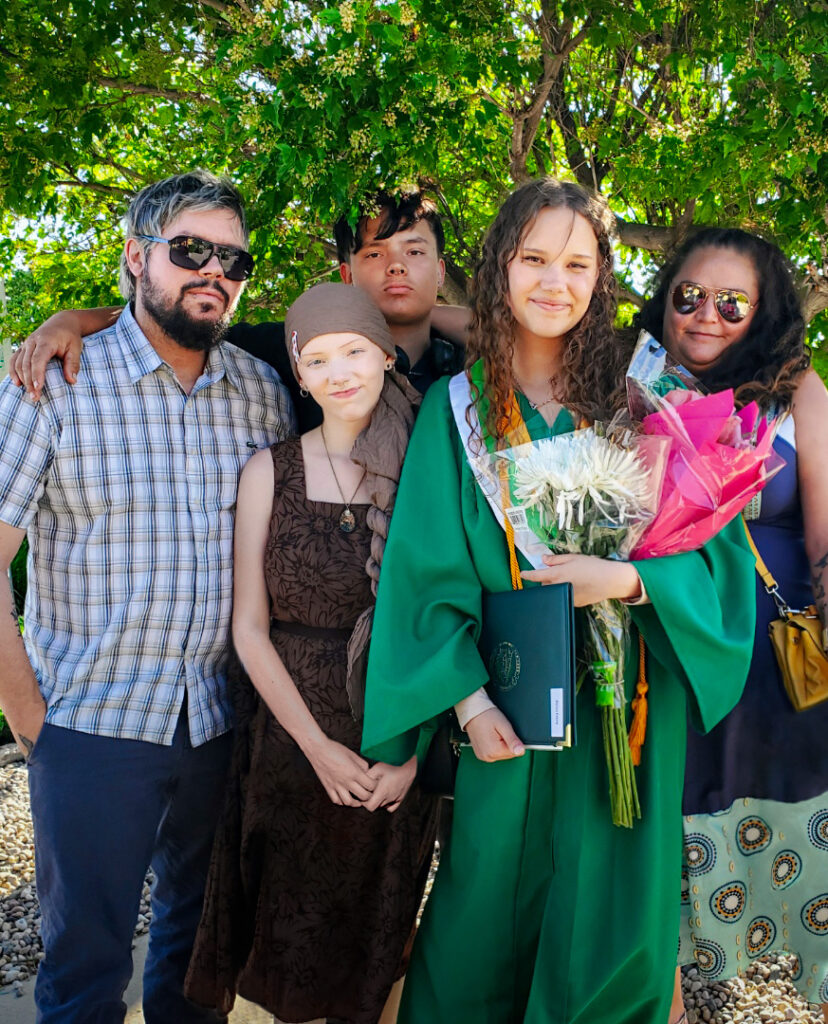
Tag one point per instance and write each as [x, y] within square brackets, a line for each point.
[767, 364]
[591, 379]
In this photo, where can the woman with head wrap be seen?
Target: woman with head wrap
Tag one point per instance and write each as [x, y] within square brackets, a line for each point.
[320, 861]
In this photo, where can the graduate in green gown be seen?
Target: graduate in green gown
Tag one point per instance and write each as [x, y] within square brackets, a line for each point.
[543, 912]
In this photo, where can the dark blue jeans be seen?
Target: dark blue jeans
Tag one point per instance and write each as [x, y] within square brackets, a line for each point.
[103, 810]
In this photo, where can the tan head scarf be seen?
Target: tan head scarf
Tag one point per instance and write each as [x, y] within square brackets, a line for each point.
[332, 308]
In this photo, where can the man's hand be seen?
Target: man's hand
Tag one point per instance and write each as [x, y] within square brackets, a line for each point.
[392, 784]
[492, 736]
[26, 727]
[20, 696]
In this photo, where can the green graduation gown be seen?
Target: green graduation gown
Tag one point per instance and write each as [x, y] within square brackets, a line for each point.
[543, 912]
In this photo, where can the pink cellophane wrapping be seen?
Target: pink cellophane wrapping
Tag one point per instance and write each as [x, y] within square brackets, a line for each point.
[719, 459]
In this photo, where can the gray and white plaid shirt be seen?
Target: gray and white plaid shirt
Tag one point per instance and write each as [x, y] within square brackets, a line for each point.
[127, 487]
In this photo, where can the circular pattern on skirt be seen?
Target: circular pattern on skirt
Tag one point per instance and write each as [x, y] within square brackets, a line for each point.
[823, 990]
[759, 936]
[796, 967]
[728, 902]
[815, 915]
[699, 853]
[710, 958]
[753, 835]
[787, 867]
[818, 829]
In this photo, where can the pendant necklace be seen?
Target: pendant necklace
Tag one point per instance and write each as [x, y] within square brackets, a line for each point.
[347, 521]
[538, 405]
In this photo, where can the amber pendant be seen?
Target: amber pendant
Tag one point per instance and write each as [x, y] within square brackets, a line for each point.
[347, 521]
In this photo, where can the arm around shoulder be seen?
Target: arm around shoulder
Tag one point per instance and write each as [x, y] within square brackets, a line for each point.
[59, 337]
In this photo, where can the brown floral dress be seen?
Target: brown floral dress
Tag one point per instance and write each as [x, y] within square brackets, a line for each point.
[309, 905]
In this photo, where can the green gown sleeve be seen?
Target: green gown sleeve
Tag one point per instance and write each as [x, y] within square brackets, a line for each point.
[423, 655]
[701, 621]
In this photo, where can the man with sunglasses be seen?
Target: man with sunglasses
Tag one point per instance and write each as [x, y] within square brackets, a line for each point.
[126, 485]
[395, 253]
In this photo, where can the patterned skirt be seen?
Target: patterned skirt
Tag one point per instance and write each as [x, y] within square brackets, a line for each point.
[750, 887]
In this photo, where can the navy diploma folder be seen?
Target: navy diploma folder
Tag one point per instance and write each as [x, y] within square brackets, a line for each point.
[527, 643]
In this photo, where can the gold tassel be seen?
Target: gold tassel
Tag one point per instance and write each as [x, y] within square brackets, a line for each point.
[516, 434]
[514, 568]
[638, 729]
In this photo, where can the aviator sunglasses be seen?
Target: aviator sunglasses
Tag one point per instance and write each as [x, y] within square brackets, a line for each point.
[732, 305]
[193, 253]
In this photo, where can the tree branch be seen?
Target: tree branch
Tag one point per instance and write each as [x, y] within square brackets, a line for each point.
[554, 53]
[815, 301]
[815, 292]
[215, 5]
[455, 287]
[652, 237]
[628, 295]
[175, 95]
[94, 186]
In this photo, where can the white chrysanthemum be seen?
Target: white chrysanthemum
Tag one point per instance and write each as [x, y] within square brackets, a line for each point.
[580, 476]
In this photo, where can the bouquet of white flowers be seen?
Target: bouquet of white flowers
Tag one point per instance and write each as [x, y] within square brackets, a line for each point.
[589, 492]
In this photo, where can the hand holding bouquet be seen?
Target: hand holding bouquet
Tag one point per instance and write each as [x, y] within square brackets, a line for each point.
[593, 493]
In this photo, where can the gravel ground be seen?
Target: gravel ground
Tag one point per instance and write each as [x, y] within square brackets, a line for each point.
[764, 996]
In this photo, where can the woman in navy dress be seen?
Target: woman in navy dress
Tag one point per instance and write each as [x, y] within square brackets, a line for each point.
[755, 877]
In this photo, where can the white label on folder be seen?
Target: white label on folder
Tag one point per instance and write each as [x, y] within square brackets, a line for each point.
[517, 517]
[556, 713]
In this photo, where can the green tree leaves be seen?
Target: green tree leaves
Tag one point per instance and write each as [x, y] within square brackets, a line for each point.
[679, 113]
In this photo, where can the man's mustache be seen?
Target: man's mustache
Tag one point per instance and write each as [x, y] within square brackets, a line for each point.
[207, 286]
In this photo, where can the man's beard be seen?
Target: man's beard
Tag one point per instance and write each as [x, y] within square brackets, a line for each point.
[199, 335]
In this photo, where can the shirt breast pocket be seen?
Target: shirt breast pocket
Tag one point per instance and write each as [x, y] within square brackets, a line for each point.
[92, 472]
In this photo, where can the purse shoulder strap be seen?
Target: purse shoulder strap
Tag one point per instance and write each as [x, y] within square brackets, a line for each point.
[761, 568]
[766, 575]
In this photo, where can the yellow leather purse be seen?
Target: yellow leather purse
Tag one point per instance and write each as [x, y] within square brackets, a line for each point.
[797, 643]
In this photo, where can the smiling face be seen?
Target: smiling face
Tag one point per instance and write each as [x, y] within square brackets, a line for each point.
[344, 373]
[402, 274]
[698, 339]
[552, 275]
[193, 307]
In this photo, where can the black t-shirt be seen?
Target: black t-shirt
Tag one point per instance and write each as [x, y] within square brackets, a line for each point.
[267, 342]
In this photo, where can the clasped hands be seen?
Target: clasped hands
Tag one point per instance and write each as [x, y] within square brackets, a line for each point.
[350, 782]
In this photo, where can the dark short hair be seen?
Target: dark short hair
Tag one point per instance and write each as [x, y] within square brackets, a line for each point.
[766, 364]
[396, 213]
[162, 201]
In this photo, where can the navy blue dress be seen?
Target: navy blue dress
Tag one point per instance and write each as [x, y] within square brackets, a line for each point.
[755, 877]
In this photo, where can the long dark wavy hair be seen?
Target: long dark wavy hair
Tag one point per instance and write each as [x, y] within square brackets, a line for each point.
[590, 382]
[767, 363]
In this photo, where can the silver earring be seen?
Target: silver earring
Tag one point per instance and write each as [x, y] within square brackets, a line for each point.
[303, 391]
